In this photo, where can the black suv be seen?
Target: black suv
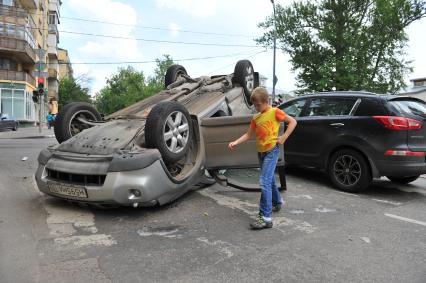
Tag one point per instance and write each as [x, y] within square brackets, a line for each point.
[357, 136]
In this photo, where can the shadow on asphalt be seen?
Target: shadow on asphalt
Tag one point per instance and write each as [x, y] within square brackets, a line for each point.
[378, 188]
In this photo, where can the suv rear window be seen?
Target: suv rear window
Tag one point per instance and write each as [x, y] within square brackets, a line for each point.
[410, 107]
[330, 106]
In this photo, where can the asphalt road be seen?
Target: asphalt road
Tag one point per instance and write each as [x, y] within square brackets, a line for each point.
[321, 235]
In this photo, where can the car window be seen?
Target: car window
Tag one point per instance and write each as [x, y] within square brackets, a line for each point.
[293, 108]
[332, 106]
[410, 107]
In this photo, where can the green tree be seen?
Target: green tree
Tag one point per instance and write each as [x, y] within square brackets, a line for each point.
[345, 44]
[71, 90]
[129, 86]
[122, 89]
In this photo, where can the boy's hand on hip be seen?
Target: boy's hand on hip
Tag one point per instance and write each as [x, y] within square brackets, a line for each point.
[281, 139]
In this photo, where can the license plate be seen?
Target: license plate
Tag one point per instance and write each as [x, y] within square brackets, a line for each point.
[67, 190]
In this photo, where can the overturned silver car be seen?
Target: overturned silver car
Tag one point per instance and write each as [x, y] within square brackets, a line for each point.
[152, 152]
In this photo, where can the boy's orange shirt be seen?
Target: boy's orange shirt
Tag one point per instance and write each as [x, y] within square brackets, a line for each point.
[266, 125]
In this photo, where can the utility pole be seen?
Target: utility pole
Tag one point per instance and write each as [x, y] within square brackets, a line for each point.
[274, 81]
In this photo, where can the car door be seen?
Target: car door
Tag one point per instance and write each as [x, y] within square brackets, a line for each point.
[218, 132]
[324, 120]
[295, 144]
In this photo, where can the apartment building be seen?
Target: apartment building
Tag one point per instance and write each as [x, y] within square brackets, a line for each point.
[27, 26]
[65, 69]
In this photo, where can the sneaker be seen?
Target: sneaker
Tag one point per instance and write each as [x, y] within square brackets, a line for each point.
[260, 223]
[276, 207]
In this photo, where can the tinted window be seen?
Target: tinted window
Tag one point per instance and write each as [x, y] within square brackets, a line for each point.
[371, 107]
[410, 107]
[294, 108]
[332, 106]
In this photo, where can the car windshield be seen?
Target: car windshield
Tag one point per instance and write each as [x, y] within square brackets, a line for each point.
[410, 107]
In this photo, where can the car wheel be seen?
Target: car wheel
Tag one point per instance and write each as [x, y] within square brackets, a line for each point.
[70, 120]
[403, 180]
[349, 171]
[15, 128]
[173, 73]
[244, 76]
[168, 128]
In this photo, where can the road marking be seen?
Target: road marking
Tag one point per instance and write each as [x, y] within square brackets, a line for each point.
[349, 194]
[166, 233]
[387, 201]
[301, 196]
[366, 239]
[252, 210]
[324, 209]
[406, 219]
[65, 221]
[84, 241]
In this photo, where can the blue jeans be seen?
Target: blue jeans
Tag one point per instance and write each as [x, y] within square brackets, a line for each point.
[268, 161]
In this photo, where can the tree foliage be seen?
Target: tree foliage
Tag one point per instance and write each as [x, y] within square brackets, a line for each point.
[345, 44]
[72, 90]
[129, 86]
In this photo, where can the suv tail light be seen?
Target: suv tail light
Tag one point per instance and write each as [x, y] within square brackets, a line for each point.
[399, 123]
[404, 153]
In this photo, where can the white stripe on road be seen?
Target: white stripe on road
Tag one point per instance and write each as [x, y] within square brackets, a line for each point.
[406, 219]
[387, 201]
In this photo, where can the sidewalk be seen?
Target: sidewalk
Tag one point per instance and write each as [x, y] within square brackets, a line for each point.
[28, 133]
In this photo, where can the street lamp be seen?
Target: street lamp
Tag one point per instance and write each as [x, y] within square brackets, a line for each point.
[275, 48]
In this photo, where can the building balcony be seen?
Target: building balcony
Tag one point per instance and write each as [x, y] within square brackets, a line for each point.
[14, 76]
[11, 11]
[20, 49]
[29, 4]
[53, 73]
[53, 28]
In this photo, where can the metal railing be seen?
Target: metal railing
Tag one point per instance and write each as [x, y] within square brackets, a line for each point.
[7, 75]
[11, 11]
[17, 45]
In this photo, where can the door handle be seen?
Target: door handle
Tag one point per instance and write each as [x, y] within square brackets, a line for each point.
[337, 124]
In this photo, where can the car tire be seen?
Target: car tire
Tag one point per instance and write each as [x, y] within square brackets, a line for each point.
[403, 180]
[349, 171]
[173, 73]
[245, 77]
[168, 128]
[66, 125]
[15, 128]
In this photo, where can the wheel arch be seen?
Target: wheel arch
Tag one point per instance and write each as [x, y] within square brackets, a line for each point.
[372, 167]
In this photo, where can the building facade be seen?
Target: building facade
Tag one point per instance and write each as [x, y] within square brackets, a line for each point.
[65, 68]
[417, 89]
[27, 26]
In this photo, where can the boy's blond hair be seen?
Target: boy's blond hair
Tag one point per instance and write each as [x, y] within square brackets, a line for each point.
[259, 94]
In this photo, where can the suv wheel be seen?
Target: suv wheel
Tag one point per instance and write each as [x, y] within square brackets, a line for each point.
[349, 171]
[403, 180]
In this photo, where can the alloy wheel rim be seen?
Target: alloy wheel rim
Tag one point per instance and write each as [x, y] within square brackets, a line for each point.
[347, 170]
[176, 132]
[76, 126]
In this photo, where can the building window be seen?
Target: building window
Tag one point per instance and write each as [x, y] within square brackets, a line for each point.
[419, 83]
[53, 19]
[17, 103]
[7, 64]
[7, 2]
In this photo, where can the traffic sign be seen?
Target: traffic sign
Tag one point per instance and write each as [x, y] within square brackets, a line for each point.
[40, 65]
[40, 74]
[41, 53]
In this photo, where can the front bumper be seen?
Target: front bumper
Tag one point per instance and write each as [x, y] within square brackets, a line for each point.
[146, 186]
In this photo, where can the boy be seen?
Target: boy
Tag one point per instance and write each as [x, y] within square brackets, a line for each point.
[266, 125]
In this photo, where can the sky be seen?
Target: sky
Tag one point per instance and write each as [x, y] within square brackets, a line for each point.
[207, 23]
